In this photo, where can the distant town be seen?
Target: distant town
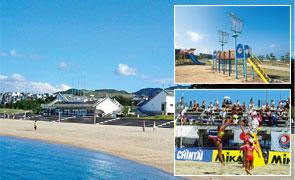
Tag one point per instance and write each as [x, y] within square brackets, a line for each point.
[101, 103]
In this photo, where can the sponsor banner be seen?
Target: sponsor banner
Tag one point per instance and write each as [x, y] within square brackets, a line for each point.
[236, 156]
[248, 51]
[193, 154]
[275, 157]
[280, 141]
[228, 156]
[240, 51]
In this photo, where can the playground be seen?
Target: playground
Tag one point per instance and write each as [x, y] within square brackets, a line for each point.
[190, 74]
[210, 137]
[228, 56]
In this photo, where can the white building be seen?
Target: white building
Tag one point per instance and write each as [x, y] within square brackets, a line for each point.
[81, 106]
[162, 103]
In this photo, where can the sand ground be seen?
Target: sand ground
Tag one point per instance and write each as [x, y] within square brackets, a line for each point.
[150, 148]
[201, 168]
[203, 74]
[197, 74]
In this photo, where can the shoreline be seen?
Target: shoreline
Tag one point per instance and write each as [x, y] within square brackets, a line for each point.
[101, 138]
[154, 149]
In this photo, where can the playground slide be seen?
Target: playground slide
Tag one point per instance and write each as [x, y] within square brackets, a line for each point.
[257, 66]
[195, 59]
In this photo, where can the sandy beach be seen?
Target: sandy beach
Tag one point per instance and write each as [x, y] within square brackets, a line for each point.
[204, 74]
[150, 148]
[201, 168]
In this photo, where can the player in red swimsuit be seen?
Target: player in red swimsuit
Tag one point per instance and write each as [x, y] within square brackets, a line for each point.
[249, 148]
[246, 137]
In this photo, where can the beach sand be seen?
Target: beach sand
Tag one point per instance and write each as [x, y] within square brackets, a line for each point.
[203, 74]
[201, 168]
[151, 148]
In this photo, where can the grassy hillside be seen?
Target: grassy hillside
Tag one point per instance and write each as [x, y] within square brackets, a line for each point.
[98, 93]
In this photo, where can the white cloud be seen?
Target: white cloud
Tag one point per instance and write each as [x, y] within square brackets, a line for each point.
[35, 57]
[63, 65]
[17, 77]
[163, 81]
[17, 82]
[3, 54]
[13, 53]
[3, 77]
[272, 45]
[144, 76]
[194, 36]
[125, 70]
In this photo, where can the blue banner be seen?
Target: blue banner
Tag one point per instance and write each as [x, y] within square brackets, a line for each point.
[214, 54]
[247, 50]
[193, 154]
[240, 51]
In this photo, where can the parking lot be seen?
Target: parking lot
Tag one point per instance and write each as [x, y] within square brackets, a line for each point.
[90, 120]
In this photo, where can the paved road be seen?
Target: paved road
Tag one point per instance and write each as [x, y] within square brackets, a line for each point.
[98, 120]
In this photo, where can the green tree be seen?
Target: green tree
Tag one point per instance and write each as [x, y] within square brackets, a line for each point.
[287, 56]
[282, 58]
[272, 56]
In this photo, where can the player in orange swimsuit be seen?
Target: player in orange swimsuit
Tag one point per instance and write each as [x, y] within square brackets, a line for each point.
[249, 148]
[217, 140]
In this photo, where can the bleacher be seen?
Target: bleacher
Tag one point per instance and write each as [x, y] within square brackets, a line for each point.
[202, 117]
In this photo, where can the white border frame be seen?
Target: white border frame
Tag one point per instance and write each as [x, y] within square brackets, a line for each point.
[250, 5]
[290, 95]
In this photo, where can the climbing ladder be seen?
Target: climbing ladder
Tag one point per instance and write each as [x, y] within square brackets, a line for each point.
[257, 66]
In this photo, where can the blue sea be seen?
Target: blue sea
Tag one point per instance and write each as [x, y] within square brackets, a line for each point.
[30, 159]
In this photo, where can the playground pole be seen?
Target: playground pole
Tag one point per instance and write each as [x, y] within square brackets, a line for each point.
[245, 66]
[229, 64]
[236, 60]
[236, 27]
[223, 36]
[223, 63]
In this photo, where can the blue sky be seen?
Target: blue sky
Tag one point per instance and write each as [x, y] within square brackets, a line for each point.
[47, 46]
[102, 44]
[266, 28]
[241, 95]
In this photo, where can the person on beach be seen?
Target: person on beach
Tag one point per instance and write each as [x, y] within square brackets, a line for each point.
[35, 125]
[245, 136]
[249, 148]
[217, 139]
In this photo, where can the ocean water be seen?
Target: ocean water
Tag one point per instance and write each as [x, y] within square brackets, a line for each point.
[29, 159]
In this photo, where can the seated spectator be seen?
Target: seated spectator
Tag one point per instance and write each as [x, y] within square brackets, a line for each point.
[244, 106]
[211, 108]
[280, 106]
[196, 107]
[203, 105]
[260, 118]
[274, 118]
[287, 105]
[254, 123]
[272, 105]
[216, 105]
[252, 104]
[269, 118]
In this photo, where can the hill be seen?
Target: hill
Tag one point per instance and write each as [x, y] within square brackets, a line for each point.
[149, 92]
[98, 93]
